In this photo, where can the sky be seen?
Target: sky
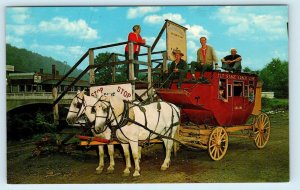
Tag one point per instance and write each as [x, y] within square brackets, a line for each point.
[259, 33]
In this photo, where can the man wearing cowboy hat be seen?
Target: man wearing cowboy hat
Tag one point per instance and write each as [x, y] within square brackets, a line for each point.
[178, 68]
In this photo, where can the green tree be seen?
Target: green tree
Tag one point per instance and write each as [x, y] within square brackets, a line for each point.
[275, 77]
[103, 75]
[248, 70]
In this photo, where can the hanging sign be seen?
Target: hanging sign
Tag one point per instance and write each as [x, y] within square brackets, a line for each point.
[123, 91]
[176, 39]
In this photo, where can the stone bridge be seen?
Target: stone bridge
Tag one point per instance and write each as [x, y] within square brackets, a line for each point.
[15, 100]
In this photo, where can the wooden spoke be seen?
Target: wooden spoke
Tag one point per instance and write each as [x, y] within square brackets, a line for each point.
[215, 152]
[217, 143]
[262, 129]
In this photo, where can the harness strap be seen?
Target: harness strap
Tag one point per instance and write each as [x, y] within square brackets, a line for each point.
[158, 110]
[128, 119]
[150, 130]
[124, 121]
[159, 135]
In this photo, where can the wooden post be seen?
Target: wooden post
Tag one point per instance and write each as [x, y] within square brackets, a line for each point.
[164, 63]
[164, 68]
[114, 68]
[91, 63]
[55, 107]
[150, 92]
[159, 35]
[131, 67]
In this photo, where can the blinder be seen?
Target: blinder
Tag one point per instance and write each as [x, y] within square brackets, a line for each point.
[78, 105]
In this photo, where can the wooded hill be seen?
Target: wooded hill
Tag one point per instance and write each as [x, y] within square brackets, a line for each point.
[28, 61]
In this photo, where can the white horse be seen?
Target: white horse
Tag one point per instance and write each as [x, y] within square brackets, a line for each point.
[83, 104]
[144, 123]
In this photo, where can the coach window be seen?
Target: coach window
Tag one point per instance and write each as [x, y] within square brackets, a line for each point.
[222, 91]
[238, 88]
[229, 90]
[246, 90]
[251, 83]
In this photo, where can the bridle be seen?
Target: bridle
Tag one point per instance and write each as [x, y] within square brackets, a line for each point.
[107, 117]
[79, 106]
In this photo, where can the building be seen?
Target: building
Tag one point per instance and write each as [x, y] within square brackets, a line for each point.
[39, 81]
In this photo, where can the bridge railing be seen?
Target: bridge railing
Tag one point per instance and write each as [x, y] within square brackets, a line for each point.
[37, 95]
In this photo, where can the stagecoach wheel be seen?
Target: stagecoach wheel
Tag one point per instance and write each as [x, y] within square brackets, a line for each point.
[217, 143]
[262, 129]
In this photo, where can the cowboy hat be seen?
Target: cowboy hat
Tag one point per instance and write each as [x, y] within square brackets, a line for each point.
[177, 51]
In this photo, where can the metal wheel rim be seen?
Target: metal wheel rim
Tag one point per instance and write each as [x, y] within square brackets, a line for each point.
[262, 129]
[217, 143]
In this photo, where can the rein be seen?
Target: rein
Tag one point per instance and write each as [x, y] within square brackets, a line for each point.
[158, 134]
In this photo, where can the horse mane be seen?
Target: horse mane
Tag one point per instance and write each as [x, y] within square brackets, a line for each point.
[117, 104]
[80, 93]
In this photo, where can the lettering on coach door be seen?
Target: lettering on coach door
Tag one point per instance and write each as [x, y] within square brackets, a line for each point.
[123, 91]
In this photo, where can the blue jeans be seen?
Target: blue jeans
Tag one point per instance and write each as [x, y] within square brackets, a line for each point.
[197, 66]
[235, 67]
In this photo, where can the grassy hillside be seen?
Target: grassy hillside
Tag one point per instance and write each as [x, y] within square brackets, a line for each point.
[27, 61]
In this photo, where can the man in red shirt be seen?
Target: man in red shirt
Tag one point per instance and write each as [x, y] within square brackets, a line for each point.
[206, 59]
[134, 37]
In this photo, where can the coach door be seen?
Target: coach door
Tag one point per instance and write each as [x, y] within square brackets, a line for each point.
[238, 95]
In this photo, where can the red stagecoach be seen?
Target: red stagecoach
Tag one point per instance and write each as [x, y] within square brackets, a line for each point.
[212, 111]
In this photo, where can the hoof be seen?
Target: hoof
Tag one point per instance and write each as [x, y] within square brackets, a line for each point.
[99, 170]
[163, 168]
[110, 171]
[126, 172]
[136, 174]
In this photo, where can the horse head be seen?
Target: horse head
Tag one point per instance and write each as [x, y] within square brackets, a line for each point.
[108, 109]
[76, 107]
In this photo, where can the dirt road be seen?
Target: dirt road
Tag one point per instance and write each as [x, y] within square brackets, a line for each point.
[242, 163]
